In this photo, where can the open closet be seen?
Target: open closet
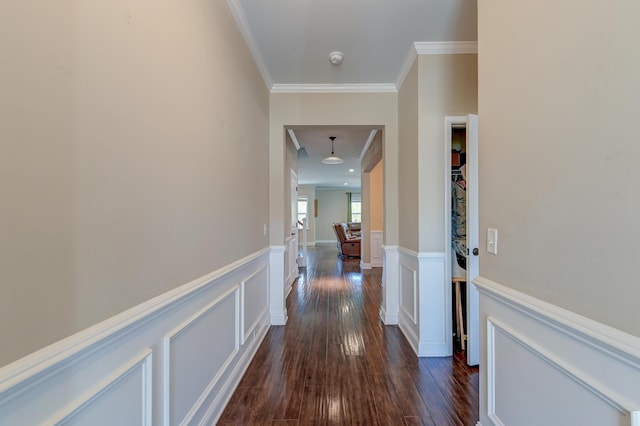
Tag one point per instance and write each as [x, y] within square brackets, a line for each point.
[459, 237]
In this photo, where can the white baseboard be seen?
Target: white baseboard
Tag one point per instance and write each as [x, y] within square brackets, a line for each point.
[386, 318]
[560, 356]
[161, 362]
[364, 265]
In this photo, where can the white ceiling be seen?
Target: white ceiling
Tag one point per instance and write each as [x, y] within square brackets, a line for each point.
[349, 144]
[290, 41]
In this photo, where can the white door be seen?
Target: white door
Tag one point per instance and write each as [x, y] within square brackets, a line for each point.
[473, 320]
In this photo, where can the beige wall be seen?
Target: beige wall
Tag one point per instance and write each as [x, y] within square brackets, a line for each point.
[559, 94]
[370, 109]
[448, 87]
[133, 158]
[435, 87]
[376, 189]
[332, 207]
[408, 126]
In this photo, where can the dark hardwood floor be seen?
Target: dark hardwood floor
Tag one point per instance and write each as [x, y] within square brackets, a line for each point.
[336, 363]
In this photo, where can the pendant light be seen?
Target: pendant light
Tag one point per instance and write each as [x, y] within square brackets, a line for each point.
[333, 159]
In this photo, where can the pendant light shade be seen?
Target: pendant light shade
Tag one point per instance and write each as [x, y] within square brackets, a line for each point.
[333, 159]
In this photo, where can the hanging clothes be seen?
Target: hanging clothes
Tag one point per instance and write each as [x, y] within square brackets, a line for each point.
[459, 221]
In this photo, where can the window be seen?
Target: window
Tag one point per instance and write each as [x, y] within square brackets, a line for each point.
[356, 211]
[302, 210]
[354, 207]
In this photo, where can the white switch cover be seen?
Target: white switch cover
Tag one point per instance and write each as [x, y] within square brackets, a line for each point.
[265, 229]
[492, 240]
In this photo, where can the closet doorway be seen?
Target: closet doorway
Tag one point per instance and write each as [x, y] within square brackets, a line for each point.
[461, 230]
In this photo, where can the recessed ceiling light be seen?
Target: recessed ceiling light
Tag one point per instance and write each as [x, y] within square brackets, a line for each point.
[351, 170]
[345, 184]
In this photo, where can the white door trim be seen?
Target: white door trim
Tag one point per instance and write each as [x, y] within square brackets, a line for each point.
[473, 350]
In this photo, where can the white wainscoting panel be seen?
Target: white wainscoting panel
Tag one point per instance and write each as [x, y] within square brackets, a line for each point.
[277, 285]
[123, 398]
[434, 305]
[389, 310]
[197, 354]
[376, 248]
[425, 309]
[253, 292]
[541, 364]
[409, 293]
[174, 359]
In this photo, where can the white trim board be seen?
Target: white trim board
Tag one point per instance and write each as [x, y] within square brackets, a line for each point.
[334, 88]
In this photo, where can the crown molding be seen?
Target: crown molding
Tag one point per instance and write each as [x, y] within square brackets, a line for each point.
[247, 34]
[334, 88]
[445, 47]
[406, 67]
[372, 135]
[433, 48]
[294, 139]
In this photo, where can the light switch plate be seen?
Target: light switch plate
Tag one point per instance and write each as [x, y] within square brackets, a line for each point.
[492, 240]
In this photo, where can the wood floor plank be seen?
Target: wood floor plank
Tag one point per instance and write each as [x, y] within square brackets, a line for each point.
[335, 363]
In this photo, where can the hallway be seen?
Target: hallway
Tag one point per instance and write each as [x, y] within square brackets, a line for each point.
[335, 363]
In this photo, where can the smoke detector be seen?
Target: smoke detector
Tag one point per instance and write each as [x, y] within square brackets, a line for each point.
[336, 57]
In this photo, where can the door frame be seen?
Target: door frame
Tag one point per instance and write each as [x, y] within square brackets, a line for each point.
[472, 329]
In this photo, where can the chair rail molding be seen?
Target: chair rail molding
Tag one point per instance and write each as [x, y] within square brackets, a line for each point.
[527, 340]
[132, 368]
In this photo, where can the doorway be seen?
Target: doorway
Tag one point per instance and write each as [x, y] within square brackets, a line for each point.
[461, 230]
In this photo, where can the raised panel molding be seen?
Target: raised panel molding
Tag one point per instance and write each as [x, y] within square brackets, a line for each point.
[593, 367]
[110, 364]
[579, 378]
[191, 326]
[409, 287]
[140, 364]
[257, 279]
